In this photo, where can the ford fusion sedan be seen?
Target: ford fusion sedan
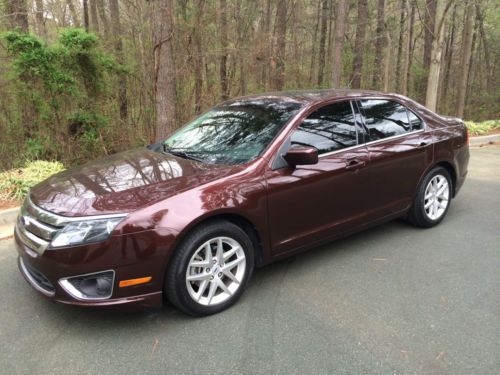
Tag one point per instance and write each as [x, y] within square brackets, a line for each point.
[253, 180]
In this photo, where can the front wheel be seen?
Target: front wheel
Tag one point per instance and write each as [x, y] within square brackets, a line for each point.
[432, 200]
[210, 269]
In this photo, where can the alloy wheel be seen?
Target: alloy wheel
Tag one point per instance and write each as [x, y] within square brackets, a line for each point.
[215, 271]
[436, 197]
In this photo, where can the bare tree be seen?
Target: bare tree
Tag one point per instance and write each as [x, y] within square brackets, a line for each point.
[103, 16]
[379, 42]
[198, 56]
[224, 93]
[359, 44]
[86, 21]
[17, 12]
[94, 21]
[73, 12]
[465, 60]
[164, 69]
[340, 22]
[116, 29]
[322, 40]
[442, 8]
[40, 19]
[278, 80]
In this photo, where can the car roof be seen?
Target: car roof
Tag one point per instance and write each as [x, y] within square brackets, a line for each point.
[312, 96]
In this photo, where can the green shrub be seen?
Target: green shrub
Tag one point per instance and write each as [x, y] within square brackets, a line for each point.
[15, 184]
[482, 128]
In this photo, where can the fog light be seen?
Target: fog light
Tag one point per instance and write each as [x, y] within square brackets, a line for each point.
[92, 286]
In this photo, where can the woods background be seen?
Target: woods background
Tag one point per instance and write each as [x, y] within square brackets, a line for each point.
[84, 78]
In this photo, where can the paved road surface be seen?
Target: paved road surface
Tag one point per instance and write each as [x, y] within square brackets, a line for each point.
[394, 299]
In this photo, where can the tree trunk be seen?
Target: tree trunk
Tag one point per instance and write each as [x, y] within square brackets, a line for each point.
[241, 54]
[387, 61]
[359, 44]
[313, 43]
[164, 69]
[17, 12]
[449, 57]
[94, 22]
[322, 41]
[224, 94]
[436, 52]
[487, 58]
[86, 15]
[379, 41]
[266, 55]
[116, 29]
[465, 58]
[103, 16]
[279, 55]
[198, 59]
[40, 19]
[429, 23]
[74, 14]
[340, 22]
[400, 42]
[407, 62]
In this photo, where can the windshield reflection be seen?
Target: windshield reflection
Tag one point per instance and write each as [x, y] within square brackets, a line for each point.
[233, 133]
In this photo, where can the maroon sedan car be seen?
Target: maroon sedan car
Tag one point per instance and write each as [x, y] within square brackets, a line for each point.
[253, 180]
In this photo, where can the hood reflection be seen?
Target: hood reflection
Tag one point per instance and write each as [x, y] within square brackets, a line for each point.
[123, 182]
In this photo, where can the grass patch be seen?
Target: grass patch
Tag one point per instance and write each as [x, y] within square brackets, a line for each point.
[15, 184]
[483, 128]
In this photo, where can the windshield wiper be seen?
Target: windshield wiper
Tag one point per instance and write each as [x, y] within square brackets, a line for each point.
[186, 154]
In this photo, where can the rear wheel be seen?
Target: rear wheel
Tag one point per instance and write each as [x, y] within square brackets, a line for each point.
[210, 269]
[432, 200]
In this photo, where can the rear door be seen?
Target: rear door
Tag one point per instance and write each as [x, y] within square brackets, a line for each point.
[312, 202]
[400, 150]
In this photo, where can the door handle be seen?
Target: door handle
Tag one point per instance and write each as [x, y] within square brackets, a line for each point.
[422, 145]
[352, 164]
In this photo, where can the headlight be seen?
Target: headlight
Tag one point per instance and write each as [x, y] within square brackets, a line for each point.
[87, 231]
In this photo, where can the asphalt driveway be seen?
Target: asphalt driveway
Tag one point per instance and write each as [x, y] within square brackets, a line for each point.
[394, 299]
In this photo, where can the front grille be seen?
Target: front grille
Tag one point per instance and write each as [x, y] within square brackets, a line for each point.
[37, 279]
[37, 227]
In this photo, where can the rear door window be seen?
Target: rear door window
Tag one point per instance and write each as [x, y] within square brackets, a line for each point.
[386, 118]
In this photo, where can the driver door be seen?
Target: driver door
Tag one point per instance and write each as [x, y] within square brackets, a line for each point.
[311, 203]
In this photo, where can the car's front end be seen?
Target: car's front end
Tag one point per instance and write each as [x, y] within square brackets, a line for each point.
[86, 261]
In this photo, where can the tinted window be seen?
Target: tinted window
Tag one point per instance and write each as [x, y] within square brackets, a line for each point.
[415, 122]
[385, 118]
[234, 133]
[328, 129]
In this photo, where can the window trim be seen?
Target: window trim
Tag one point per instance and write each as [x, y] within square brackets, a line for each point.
[356, 126]
[360, 109]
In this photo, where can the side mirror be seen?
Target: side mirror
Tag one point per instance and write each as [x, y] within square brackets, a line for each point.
[301, 155]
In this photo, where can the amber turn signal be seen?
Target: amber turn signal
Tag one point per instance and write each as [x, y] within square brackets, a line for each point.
[130, 282]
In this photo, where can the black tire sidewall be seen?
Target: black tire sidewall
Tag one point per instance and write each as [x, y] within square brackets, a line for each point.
[183, 255]
[421, 215]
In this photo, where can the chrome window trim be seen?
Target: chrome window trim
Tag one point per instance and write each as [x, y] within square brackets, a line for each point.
[75, 293]
[59, 220]
[373, 142]
[32, 281]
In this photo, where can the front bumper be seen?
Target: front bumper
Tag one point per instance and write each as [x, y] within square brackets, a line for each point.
[130, 256]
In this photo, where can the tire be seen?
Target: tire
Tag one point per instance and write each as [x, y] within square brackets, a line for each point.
[195, 280]
[427, 210]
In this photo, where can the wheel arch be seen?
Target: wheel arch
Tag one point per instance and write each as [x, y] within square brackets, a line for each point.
[235, 218]
[451, 170]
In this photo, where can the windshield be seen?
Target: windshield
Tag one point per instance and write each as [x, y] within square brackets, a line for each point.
[232, 134]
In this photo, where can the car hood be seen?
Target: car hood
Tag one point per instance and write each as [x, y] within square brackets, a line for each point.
[122, 183]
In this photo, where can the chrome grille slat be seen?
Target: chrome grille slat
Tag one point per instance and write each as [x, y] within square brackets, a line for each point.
[37, 227]
[32, 241]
